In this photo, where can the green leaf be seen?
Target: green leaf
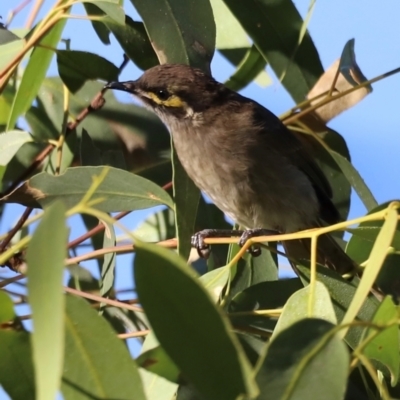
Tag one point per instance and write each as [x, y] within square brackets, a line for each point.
[16, 368]
[364, 236]
[230, 34]
[355, 180]
[180, 32]
[374, 264]
[275, 28]
[252, 65]
[385, 346]
[35, 72]
[6, 100]
[157, 361]
[215, 281]
[10, 143]
[171, 296]
[186, 196]
[342, 293]
[109, 260]
[134, 40]
[156, 387]
[159, 226]
[9, 50]
[305, 361]
[297, 307]
[76, 67]
[110, 7]
[262, 296]
[101, 30]
[45, 257]
[97, 363]
[7, 312]
[119, 191]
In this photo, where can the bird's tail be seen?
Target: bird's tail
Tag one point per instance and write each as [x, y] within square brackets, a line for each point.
[329, 253]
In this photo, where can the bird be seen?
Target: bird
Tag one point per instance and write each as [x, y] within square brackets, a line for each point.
[243, 158]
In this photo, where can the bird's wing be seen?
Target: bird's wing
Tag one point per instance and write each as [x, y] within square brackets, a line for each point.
[286, 143]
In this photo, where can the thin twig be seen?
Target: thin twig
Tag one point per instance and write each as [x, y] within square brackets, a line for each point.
[16, 228]
[33, 14]
[134, 334]
[100, 299]
[15, 11]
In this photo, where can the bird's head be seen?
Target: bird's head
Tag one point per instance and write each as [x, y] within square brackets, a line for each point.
[174, 91]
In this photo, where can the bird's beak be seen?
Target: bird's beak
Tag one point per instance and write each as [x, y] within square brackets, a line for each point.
[128, 86]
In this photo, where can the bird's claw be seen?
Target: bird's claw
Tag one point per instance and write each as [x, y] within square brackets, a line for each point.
[197, 241]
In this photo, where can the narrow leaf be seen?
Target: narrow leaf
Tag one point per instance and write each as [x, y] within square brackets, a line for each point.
[376, 259]
[385, 346]
[45, 257]
[183, 316]
[119, 191]
[292, 368]
[35, 72]
[296, 64]
[97, 363]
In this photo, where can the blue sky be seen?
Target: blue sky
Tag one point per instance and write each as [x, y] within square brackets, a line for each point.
[371, 128]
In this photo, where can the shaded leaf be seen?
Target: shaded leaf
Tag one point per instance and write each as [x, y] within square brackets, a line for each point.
[6, 36]
[297, 65]
[97, 363]
[45, 258]
[171, 295]
[355, 180]
[76, 67]
[251, 66]
[119, 191]
[158, 362]
[110, 7]
[16, 367]
[262, 296]
[186, 197]
[134, 40]
[292, 366]
[101, 30]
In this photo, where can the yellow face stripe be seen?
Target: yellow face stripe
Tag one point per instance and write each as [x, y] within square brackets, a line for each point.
[172, 101]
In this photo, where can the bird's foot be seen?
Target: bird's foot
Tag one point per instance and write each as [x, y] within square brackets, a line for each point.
[198, 238]
[254, 250]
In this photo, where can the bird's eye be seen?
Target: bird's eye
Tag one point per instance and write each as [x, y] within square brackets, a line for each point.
[162, 94]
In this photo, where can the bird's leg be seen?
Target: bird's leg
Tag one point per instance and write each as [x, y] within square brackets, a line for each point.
[198, 238]
[255, 250]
